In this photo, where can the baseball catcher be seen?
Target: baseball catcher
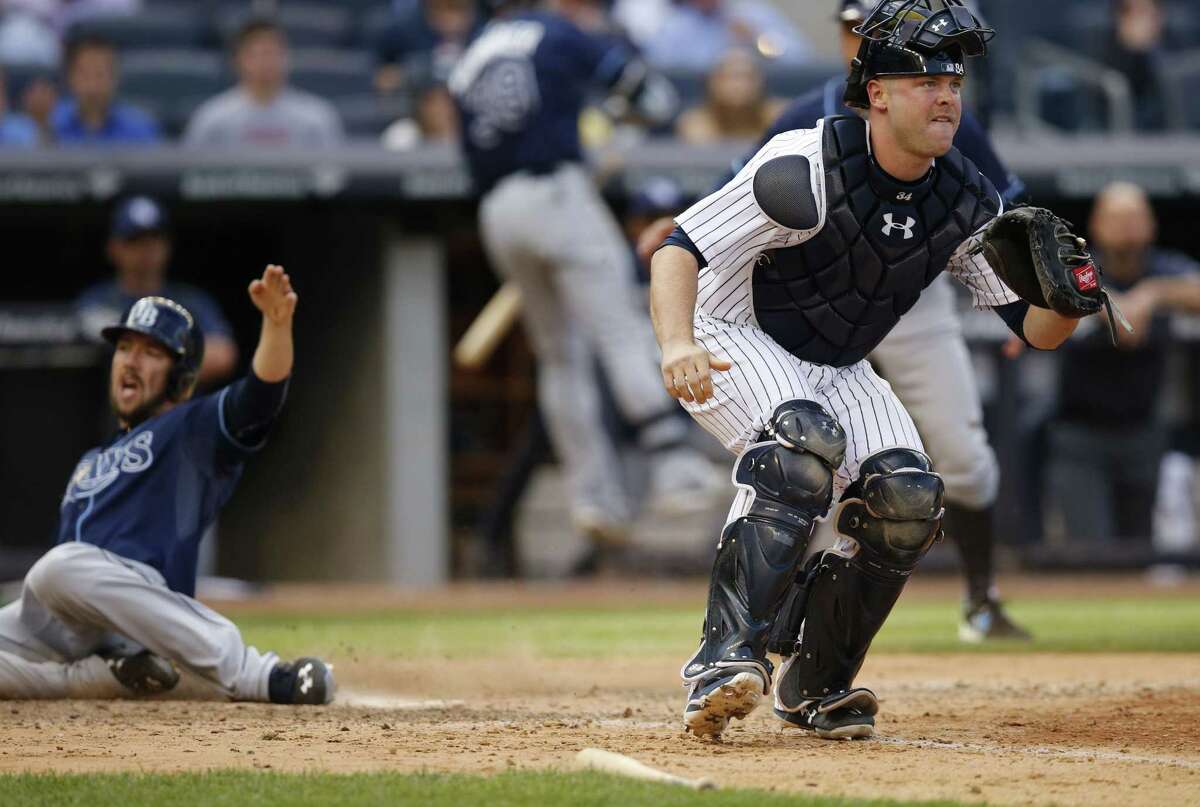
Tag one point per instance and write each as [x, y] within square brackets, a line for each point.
[768, 298]
[109, 611]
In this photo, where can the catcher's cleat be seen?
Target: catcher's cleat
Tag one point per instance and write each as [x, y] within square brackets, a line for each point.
[985, 621]
[848, 715]
[303, 681]
[144, 673]
[713, 703]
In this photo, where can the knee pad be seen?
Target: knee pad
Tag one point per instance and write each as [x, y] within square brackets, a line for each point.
[894, 509]
[795, 469]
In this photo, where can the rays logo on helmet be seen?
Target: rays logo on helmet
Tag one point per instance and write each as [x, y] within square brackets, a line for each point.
[143, 313]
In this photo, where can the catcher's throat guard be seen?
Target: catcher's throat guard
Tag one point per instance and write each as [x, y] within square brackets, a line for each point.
[914, 38]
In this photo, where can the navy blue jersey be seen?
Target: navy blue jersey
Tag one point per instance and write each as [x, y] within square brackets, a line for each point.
[520, 89]
[826, 101]
[150, 494]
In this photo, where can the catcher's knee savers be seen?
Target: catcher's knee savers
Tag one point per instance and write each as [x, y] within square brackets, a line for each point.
[893, 513]
[789, 479]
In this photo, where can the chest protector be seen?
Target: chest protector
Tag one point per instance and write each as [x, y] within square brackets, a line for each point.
[832, 299]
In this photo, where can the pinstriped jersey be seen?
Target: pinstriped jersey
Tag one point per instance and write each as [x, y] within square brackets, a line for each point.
[830, 291]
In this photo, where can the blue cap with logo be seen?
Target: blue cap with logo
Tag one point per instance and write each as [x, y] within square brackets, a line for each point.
[136, 216]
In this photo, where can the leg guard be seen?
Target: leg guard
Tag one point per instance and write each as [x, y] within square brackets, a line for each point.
[789, 483]
[887, 521]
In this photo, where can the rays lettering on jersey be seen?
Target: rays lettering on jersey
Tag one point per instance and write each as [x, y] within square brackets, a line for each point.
[96, 473]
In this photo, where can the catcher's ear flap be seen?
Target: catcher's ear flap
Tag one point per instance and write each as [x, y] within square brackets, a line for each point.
[1005, 247]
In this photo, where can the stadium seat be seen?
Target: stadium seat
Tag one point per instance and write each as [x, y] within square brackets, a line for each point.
[158, 26]
[366, 116]
[372, 22]
[1181, 73]
[331, 72]
[306, 24]
[172, 83]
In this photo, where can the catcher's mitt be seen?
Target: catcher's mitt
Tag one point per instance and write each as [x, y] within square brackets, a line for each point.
[1037, 256]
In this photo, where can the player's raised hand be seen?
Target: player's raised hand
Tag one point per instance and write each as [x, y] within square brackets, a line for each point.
[687, 370]
[272, 294]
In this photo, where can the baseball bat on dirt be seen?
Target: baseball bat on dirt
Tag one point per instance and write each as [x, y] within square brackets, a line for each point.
[609, 762]
[488, 328]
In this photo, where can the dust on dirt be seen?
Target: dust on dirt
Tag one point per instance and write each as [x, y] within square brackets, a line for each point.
[1070, 729]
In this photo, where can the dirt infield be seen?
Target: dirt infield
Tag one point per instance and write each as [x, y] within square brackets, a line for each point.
[1070, 729]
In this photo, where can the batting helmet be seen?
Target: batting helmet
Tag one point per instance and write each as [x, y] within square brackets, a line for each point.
[913, 38]
[172, 326]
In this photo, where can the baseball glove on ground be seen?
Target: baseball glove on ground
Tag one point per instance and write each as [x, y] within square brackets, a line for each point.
[1037, 256]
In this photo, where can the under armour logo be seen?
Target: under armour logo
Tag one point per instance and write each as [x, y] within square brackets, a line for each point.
[306, 679]
[939, 25]
[143, 313]
[890, 224]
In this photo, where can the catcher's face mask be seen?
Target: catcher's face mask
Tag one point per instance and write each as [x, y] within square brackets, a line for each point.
[914, 38]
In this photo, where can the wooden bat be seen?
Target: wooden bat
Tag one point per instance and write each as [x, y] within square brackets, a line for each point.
[488, 328]
[600, 760]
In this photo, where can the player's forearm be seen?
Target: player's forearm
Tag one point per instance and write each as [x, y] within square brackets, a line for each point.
[1046, 330]
[274, 355]
[673, 279]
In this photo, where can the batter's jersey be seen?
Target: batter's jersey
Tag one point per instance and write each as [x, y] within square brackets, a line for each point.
[520, 89]
[150, 494]
[731, 232]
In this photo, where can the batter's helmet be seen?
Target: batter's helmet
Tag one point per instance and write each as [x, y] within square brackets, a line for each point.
[172, 326]
[914, 38]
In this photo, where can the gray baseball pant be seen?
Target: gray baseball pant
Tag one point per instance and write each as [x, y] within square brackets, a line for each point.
[556, 239]
[79, 600]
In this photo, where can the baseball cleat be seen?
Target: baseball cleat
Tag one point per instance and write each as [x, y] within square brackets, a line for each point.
[303, 681]
[846, 715]
[712, 704]
[987, 621]
[144, 673]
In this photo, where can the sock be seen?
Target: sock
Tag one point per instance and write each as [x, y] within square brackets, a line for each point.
[971, 531]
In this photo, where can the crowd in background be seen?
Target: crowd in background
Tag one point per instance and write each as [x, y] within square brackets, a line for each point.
[312, 74]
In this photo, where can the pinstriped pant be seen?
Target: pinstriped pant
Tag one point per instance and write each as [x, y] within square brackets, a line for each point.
[765, 375]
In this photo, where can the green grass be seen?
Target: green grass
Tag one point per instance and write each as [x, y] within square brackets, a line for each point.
[250, 789]
[922, 626]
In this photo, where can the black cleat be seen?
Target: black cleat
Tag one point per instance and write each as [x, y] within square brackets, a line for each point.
[986, 621]
[144, 673]
[303, 681]
[846, 715]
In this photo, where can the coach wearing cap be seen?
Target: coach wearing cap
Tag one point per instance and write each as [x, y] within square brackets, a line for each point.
[139, 247]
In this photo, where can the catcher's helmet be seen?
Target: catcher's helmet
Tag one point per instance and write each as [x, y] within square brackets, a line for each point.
[171, 325]
[914, 38]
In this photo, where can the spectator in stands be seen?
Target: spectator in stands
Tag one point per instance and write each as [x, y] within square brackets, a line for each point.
[91, 113]
[139, 247]
[736, 106]
[1137, 49]
[262, 110]
[39, 98]
[16, 130]
[698, 33]
[432, 35]
[1107, 443]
